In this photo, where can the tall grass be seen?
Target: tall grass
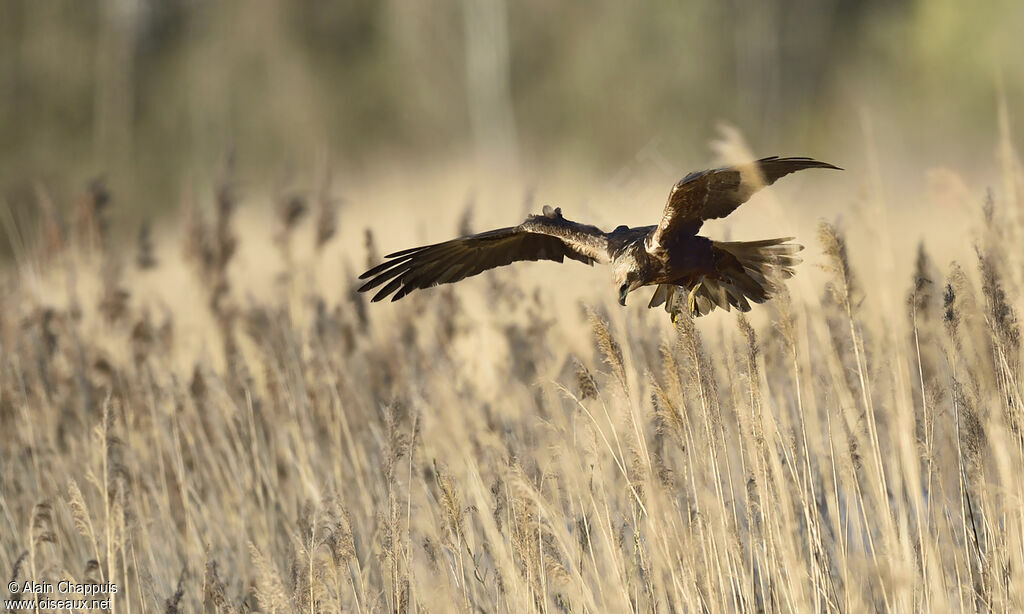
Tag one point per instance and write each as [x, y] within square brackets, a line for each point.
[303, 452]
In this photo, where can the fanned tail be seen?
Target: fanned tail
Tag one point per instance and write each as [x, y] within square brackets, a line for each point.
[746, 272]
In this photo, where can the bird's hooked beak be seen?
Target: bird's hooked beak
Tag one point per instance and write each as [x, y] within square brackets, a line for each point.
[623, 291]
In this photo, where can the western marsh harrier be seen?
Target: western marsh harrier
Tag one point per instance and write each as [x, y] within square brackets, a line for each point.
[670, 255]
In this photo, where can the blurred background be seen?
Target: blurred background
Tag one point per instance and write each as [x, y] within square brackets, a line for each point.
[216, 366]
[150, 95]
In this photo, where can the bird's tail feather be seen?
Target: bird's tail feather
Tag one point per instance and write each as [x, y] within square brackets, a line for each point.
[745, 272]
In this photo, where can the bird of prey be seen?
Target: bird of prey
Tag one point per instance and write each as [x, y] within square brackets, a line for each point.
[670, 255]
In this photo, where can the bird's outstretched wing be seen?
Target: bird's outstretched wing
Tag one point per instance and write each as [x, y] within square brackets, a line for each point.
[540, 237]
[715, 193]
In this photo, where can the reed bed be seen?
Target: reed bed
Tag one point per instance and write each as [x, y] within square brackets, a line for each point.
[303, 451]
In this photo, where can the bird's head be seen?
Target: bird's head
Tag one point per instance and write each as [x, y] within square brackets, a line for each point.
[627, 283]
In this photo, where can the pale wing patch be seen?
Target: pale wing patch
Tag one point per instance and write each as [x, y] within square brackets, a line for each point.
[581, 238]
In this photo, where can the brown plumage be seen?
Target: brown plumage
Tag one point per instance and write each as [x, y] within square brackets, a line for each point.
[671, 255]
